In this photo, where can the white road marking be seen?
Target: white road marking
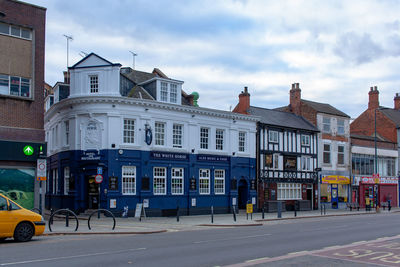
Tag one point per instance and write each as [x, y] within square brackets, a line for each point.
[259, 259]
[227, 239]
[70, 257]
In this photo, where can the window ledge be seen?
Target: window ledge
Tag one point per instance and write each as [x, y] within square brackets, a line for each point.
[30, 99]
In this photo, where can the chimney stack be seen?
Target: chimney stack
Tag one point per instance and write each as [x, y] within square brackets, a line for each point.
[295, 99]
[397, 102]
[373, 98]
[66, 77]
[244, 102]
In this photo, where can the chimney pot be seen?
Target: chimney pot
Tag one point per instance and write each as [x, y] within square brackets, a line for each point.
[376, 88]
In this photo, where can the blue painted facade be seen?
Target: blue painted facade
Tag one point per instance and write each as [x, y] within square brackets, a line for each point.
[240, 185]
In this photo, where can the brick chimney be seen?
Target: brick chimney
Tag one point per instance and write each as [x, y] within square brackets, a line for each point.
[66, 77]
[295, 99]
[244, 102]
[373, 98]
[397, 102]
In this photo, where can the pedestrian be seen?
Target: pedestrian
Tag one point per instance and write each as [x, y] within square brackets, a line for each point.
[389, 201]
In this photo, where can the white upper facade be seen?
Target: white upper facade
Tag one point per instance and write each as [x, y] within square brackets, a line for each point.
[101, 118]
[334, 142]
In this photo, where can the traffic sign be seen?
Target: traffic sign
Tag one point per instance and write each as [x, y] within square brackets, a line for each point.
[28, 150]
[99, 170]
[41, 170]
[98, 178]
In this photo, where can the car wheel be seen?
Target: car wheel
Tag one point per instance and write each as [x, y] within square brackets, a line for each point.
[2, 239]
[23, 232]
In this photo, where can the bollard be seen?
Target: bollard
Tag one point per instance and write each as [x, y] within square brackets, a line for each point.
[51, 213]
[212, 214]
[234, 213]
[98, 213]
[177, 213]
[295, 212]
[279, 209]
[67, 219]
[324, 209]
[263, 213]
[321, 208]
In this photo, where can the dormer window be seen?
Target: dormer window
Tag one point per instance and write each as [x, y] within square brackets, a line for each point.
[174, 93]
[94, 83]
[168, 92]
[164, 92]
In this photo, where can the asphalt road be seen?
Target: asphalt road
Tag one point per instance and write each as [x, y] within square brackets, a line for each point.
[242, 246]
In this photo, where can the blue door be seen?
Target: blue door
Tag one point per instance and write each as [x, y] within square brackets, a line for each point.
[335, 198]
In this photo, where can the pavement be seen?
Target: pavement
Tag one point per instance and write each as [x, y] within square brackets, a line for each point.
[152, 225]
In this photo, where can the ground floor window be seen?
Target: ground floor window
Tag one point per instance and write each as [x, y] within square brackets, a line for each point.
[204, 181]
[329, 192]
[159, 181]
[128, 180]
[219, 182]
[177, 181]
[66, 180]
[287, 191]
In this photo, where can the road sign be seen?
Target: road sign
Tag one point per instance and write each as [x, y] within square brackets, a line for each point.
[249, 208]
[41, 170]
[28, 150]
[98, 178]
[99, 170]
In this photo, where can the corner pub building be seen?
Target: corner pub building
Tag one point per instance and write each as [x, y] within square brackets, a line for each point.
[151, 143]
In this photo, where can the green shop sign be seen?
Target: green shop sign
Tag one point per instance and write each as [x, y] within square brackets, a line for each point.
[21, 151]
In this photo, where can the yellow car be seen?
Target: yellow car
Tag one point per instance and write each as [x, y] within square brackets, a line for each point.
[17, 222]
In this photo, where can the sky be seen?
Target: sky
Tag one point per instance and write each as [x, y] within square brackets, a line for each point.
[336, 50]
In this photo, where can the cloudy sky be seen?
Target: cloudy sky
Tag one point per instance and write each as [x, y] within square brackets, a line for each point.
[336, 50]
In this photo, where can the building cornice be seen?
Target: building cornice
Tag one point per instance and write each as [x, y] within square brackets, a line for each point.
[71, 101]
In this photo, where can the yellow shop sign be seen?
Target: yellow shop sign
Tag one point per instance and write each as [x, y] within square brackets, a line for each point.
[335, 179]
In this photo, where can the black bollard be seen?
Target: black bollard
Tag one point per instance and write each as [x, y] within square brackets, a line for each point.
[177, 213]
[212, 214]
[234, 213]
[263, 213]
[67, 219]
[279, 208]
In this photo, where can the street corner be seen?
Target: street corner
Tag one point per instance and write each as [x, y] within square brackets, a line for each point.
[383, 252]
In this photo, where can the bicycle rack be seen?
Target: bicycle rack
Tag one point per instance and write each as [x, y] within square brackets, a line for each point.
[98, 212]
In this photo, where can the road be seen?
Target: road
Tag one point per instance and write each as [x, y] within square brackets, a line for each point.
[273, 244]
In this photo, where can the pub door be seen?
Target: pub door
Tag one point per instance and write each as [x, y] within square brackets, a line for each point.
[92, 192]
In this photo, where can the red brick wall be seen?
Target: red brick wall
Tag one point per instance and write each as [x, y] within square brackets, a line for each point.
[22, 120]
[307, 112]
[370, 143]
[365, 125]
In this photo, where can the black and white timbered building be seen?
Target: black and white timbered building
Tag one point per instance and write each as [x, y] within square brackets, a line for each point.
[286, 159]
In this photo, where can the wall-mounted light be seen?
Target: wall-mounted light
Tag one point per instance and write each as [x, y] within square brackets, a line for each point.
[193, 115]
[192, 150]
[120, 152]
[233, 153]
[146, 109]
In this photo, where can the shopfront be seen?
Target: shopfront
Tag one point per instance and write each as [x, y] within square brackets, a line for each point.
[335, 190]
[377, 190]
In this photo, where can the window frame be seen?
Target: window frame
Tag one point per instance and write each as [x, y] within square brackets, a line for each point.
[128, 131]
[66, 136]
[273, 136]
[219, 139]
[204, 137]
[326, 152]
[163, 91]
[128, 180]
[326, 122]
[242, 141]
[173, 93]
[93, 83]
[179, 180]
[67, 175]
[204, 182]
[289, 191]
[306, 163]
[305, 140]
[341, 154]
[159, 180]
[177, 135]
[340, 126]
[274, 161]
[159, 136]
[20, 29]
[20, 82]
[219, 181]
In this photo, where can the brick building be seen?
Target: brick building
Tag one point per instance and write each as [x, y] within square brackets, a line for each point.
[375, 156]
[22, 42]
[333, 146]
